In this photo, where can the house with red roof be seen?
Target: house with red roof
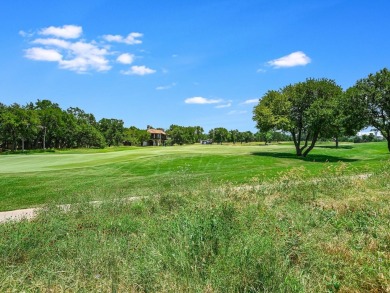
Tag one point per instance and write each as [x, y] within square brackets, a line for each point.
[157, 137]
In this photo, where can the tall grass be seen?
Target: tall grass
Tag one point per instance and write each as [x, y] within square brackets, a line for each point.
[329, 233]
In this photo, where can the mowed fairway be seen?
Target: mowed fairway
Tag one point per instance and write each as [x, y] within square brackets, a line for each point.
[35, 179]
[206, 219]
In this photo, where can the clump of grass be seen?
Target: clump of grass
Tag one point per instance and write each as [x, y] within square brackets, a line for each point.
[289, 235]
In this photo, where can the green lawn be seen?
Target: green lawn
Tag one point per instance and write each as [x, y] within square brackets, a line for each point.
[213, 219]
[30, 180]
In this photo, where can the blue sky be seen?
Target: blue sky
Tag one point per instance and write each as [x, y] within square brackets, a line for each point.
[204, 62]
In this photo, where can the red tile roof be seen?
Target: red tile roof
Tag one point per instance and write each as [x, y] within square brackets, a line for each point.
[156, 131]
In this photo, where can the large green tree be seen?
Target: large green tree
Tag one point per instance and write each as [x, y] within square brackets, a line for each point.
[112, 130]
[184, 134]
[348, 117]
[304, 109]
[53, 123]
[371, 95]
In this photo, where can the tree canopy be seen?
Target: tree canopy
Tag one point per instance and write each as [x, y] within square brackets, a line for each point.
[304, 109]
[371, 99]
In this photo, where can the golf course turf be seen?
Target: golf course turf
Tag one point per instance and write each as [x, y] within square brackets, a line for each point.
[210, 218]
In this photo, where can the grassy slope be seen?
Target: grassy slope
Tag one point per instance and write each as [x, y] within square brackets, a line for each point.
[327, 233]
[30, 180]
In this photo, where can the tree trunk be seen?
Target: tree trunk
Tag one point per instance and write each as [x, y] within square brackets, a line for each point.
[306, 141]
[388, 143]
[14, 142]
[313, 142]
[296, 143]
[337, 142]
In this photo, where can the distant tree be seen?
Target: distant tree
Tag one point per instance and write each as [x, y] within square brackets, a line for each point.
[135, 136]
[18, 124]
[176, 134]
[372, 97]
[184, 134]
[233, 135]
[199, 133]
[112, 130]
[82, 129]
[53, 123]
[268, 136]
[81, 115]
[248, 136]
[219, 134]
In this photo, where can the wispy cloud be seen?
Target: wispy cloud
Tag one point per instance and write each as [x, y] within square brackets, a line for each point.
[201, 101]
[138, 70]
[52, 42]
[125, 58]
[66, 31]
[294, 59]
[236, 112]
[131, 39]
[251, 101]
[224, 105]
[25, 34]
[165, 87]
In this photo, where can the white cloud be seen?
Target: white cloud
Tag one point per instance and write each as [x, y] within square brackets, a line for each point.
[138, 70]
[52, 42]
[224, 105]
[131, 39]
[235, 112]
[294, 59]
[66, 31]
[78, 56]
[251, 101]
[125, 58]
[201, 100]
[41, 54]
[261, 70]
[61, 45]
[86, 56]
[113, 38]
[165, 87]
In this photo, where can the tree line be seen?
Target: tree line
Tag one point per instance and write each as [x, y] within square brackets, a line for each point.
[45, 125]
[304, 112]
[191, 134]
[319, 108]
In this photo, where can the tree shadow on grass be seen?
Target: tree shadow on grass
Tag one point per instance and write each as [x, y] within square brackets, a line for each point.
[342, 147]
[310, 158]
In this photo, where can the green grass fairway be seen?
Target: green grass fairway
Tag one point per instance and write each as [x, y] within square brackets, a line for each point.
[227, 218]
[35, 179]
